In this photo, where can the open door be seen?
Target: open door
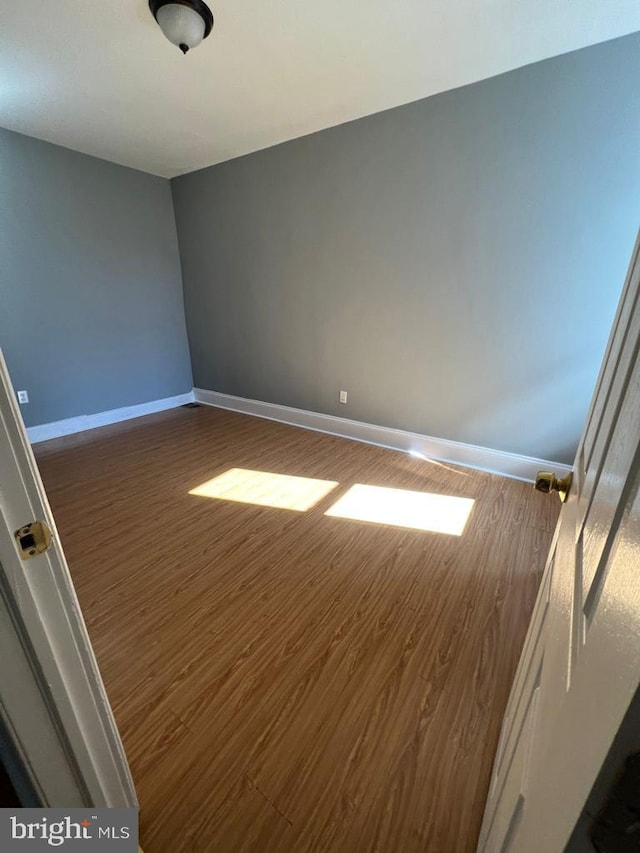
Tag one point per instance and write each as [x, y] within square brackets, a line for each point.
[580, 667]
[58, 738]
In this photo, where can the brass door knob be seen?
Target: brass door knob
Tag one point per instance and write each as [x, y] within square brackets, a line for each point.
[548, 482]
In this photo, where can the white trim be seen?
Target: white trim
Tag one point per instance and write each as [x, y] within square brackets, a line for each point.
[468, 455]
[61, 725]
[55, 429]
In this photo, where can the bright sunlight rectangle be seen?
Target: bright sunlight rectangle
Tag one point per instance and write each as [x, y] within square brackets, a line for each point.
[262, 488]
[402, 508]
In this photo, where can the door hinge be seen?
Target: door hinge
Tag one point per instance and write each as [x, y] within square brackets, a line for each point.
[33, 539]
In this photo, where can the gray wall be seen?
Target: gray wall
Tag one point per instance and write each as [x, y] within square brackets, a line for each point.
[91, 314]
[454, 264]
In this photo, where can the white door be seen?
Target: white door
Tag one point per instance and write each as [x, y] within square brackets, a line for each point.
[580, 666]
[58, 737]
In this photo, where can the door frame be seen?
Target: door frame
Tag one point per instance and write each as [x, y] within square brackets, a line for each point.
[53, 704]
[549, 684]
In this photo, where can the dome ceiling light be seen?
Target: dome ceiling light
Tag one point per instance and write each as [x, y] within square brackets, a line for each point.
[184, 22]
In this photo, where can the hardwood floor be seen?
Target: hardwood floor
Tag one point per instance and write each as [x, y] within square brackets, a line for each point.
[286, 681]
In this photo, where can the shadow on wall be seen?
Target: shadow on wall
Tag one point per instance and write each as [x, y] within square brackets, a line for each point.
[548, 391]
[453, 263]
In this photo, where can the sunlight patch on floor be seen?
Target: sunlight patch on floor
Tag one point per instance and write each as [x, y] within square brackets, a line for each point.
[402, 508]
[262, 488]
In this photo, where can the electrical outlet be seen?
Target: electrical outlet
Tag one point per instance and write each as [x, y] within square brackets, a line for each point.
[23, 397]
[343, 396]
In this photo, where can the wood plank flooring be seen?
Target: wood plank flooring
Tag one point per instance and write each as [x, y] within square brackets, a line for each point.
[286, 681]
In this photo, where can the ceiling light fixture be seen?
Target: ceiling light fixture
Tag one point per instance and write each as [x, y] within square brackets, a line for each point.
[184, 22]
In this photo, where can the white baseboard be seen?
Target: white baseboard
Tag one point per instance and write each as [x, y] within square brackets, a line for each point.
[56, 429]
[454, 452]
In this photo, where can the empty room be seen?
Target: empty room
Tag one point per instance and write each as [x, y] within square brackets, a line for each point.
[320, 393]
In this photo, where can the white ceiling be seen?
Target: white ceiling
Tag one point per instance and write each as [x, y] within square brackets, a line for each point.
[98, 75]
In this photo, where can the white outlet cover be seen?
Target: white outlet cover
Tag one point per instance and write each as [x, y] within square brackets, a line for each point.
[23, 397]
[343, 396]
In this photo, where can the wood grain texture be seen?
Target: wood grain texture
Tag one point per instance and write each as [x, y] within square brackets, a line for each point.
[286, 681]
